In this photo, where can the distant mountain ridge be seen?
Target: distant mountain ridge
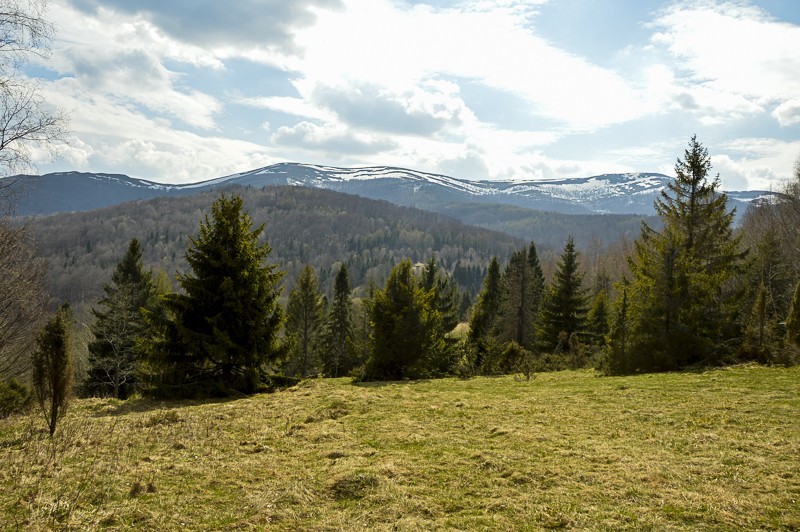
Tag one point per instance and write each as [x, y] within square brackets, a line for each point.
[631, 193]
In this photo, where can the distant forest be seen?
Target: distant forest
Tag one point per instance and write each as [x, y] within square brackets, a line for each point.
[304, 226]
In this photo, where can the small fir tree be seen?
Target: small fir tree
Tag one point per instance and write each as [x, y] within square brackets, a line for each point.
[537, 275]
[484, 313]
[617, 360]
[362, 323]
[304, 319]
[758, 319]
[404, 327]
[565, 305]
[53, 368]
[119, 326]
[520, 300]
[774, 272]
[338, 343]
[597, 321]
[445, 296]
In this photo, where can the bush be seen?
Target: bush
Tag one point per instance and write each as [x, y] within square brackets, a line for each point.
[14, 397]
[504, 358]
[466, 355]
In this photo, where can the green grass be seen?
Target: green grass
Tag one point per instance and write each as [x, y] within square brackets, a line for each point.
[706, 450]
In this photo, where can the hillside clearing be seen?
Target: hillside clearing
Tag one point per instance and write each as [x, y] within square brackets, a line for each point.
[709, 450]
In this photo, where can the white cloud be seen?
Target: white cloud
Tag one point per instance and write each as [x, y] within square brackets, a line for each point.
[330, 138]
[487, 43]
[422, 110]
[118, 138]
[358, 82]
[211, 24]
[299, 107]
[788, 112]
[764, 163]
[733, 58]
[123, 59]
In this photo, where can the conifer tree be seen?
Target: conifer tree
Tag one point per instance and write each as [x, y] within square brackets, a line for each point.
[53, 368]
[219, 334]
[119, 325]
[565, 305]
[680, 300]
[304, 320]
[404, 327]
[758, 318]
[597, 321]
[362, 323]
[338, 343]
[520, 299]
[484, 312]
[445, 297]
[537, 275]
[793, 320]
[773, 272]
[617, 360]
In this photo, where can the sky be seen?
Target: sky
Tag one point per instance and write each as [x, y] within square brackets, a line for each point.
[187, 90]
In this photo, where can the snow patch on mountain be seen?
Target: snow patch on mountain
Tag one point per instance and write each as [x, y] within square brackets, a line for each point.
[630, 193]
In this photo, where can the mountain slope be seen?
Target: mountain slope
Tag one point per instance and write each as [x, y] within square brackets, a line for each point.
[609, 193]
[303, 226]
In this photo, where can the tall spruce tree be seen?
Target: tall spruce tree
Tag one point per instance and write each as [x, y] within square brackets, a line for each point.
[218, 336]
[758, 331]
[520, 299]
[537, 275]
[304, 321]
[484, 313]
[617, 360]
[404, 327]
[53, 367]
[565, 306]
[445, 297]
[770, 272]
[681, 303]
[119, 325]
[338, 340]
[597, 321]
[362, 323]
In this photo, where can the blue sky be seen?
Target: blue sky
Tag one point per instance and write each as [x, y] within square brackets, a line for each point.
[188, 90]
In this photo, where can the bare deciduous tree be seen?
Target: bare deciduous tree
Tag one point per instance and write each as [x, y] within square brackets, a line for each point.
[26, 123]
[22, 300]
[25, 119]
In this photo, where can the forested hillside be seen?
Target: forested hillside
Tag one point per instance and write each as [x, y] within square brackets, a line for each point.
[551, 229]
[303, 226]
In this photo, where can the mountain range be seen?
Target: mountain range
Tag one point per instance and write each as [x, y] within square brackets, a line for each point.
[631, 193]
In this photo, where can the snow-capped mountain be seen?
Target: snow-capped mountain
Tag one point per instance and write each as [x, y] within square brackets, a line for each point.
[609, 193]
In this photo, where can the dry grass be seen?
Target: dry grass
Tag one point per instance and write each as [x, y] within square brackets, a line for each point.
[711, 450]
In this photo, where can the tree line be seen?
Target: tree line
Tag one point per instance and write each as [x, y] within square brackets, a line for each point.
[691, 292]
[684, 304]
[307, 226]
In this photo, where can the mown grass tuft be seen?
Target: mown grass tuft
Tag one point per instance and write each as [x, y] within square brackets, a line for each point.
[354, 485]
[699, 450]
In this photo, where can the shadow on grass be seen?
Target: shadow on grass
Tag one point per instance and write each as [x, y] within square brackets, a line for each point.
[137, 405]
[118, 407]
[381, 384]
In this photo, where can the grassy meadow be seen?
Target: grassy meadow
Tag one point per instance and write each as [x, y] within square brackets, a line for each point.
[717, 450]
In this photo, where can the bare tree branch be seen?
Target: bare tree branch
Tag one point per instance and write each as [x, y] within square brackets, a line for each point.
[26, 121]
[22, 300]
